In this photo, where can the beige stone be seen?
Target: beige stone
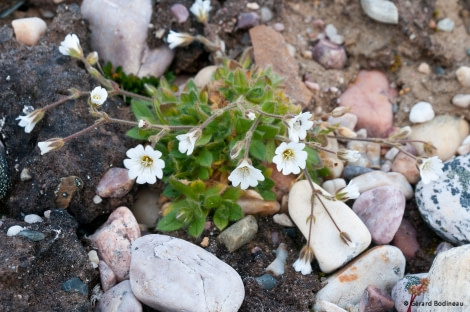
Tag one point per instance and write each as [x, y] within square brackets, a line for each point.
[29, 30]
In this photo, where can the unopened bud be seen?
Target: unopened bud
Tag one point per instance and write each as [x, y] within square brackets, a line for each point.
[143, 124]
[236, 149]
[340, 111]
[75, 93]
[346, 132]
[151, 90]
[92, 58]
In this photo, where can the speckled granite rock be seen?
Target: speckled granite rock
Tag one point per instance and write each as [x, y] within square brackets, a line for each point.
[444, 204]
[400, 293]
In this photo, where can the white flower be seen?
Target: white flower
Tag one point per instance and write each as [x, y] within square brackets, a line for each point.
[246, 175]
[303, 266]
[349, 155]
[290, 158]
[144, 164]
[251, 116]
[29, 121]
[351, 191]
[187, 141]
[299, 125]
[98, 95]
[201, 9]
[430, 169]
[175, 39]
[71, 46]
[51, 145]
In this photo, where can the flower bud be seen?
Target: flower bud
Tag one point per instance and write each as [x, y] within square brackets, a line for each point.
[92, 58]
[340, 111]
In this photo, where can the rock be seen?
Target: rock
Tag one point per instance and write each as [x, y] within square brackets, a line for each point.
[445, 24]
[381, 11]
[443, 246]
[463, 75]
[171, 274]
[323, 305]
[34, 236]
[370, 154]
[269, 46]
[330, 251]
[424, 68]
[180, 12]
[376, 178]
[334, 185]
[75, 285]
[239, 233]
[381, 266]
[444, 203]
[93, 257]
[276, 267]
[401, 296]
[332, 34]
[119, 33]
[267, 15]
[406, 239]
[107, 277]
[14, 230]
[146, 208]
[32, 218]
[406, 165]
[29, 30]
[348, 120]
[375, 299]
[329, 54]
[421, 112]
[381, 209]
[368, 98]
[283, 219]
[445, 132]
[258, 206]
[448, 281]
[267, 281]
[247, 20]
[204, 76]
[115, 183]
[113, 241]
[350, 172]
[461, 100]
[119, 299]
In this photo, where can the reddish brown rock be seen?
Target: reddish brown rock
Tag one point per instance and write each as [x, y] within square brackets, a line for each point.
[406, 165]
[269, 49]
[368, 98]
[115, 183]
[406, 239]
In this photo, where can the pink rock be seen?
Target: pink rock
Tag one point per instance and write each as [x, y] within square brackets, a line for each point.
[375, 299]
[120, 298]
[329, 54]
[107, 276]
[113, 241]
[406, 165]
[405, 239]
[115, 183]
[381, 209]
[180, 12]
[368, 98]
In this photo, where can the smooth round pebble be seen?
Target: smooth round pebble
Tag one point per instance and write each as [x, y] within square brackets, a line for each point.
[34, 236]
[424, 68]
[461, 100]
[120, 298]
[115, 183]
[180, 12]
[32, 218]
[266, 14]
[463, 75]
[421, 112]
[266, 281]
[406, 239]
[400, 294]
[14, 230]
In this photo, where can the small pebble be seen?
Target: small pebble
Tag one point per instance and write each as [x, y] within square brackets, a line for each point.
[421, 112]
[401, 296]
[180, 12]
[334, 185]
[205, 242]
[247, 20]
[14, 230]
[375, 299]
[329, 54]
[424, 68]
[93, 257]
[97, 199]
[406, 239]
[266, 281]
[439, 70]
[120, 298]
[29, 30]
[75, 284]
[332, 34]
[34, 236]
[276, 26]
[25, 175]
[461, 100]
[313, 86]
[107, 277]
[463, 75]
[115, 183]
[239, 233]
[446, 24]
[350, 172]
[348, 120]
[252, 6]
[277, 266]
[32, 218]
[267, 15]
[283, 219]
[443, 246]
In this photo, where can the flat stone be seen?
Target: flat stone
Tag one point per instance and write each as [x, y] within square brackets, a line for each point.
[401, 296]
[368, 98]
[381, 209]
[377, 178]
[239, 233]
[381, 266]
[113, 241]
[269, 47]
[448, 281]
[115, 183]
[171, 274]
[444, 204]
[119, 299]
[330, 251]
[445, 132]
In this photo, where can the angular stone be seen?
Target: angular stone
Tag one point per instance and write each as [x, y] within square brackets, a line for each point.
[449, 281]
[330, 251]
[29, 30]
[445, 132]
[119, 299]
[406, 165]
[171, 274]
[107, 277]
[406, 239]
[381, 266]
[113, 241]
[115, 183]
[269, 47]
[381, 209]
[401, 296]
[377, 178]
[375, 299]
[239, 233]
[444, 204]
[368, 98]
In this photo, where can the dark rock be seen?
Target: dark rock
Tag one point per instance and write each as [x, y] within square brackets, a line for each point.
[351, 172]
[266, 281]
[406, 239]
[247, 20]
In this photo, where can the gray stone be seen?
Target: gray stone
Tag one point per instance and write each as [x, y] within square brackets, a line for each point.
[239, 233]
[120, 298]
[381, 266]
[75, 284]
[444, 204]
[401, 296]
[449, 278]
[171, 274]
[351, 172]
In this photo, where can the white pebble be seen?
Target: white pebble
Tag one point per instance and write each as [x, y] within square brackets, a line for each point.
[461, 100]
[47, 214]
[97, 199]
[463, 75]
[25, 175]
[334, 185]
[424, 68]
[445, 24]
[463, 149]
[93, 257]
[421, 112]
[332, 34]
[277, 266]
[29, 30]
[252, 5]
[391, 153]
[14, 230]
[283, 219]
[32, 218]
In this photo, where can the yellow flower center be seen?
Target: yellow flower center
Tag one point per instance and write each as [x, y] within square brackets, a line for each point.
[146, 161]
[288, 154]
[244, 171]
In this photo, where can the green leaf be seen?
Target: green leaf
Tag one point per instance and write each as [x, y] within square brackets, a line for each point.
[204, 139]
[203, 173]
[258, 149]
[205, 158]
[198, 186]
[212, 201]
[269, 107]
[313, 159]
[240, 81]
[269, 131]
[170, 222]
[242, 125]
[267, 194]
[182, 188]
[255, 95]
[197, 224]
[221, 217]
[235, 212]
[270, 150]
[232, 193]
[137, 134]
[141, 110]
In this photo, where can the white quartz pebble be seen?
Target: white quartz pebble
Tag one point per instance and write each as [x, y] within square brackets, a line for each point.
[463, 75]
[461, 100]
[421, 112]
[13, 230]
[32, 218]
[29, 30]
